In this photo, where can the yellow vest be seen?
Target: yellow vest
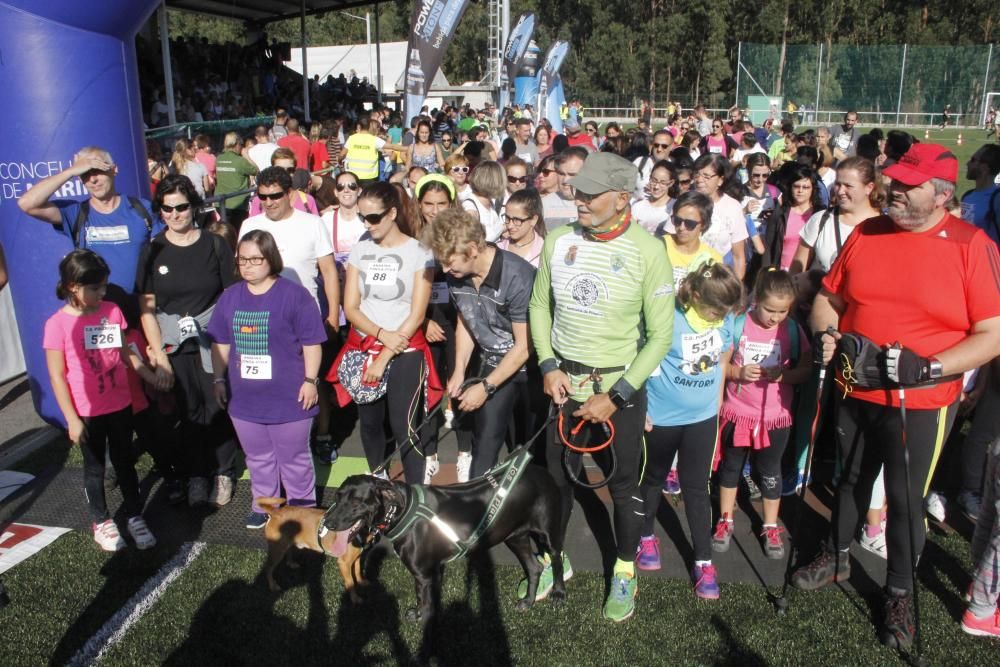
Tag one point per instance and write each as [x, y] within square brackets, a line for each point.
[362, 155]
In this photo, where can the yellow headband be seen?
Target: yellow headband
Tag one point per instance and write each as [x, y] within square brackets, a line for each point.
[435, 178]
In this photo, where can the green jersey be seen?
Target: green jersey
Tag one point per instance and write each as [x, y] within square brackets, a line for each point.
[232, 174]
[603, 304]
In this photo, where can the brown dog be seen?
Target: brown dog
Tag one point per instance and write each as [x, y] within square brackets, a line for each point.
[288, 525]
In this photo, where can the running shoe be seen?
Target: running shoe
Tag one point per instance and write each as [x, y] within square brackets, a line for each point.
[648, 556]
[107, 536]
[824, 569]
[934, 504]
[773, 542]
[256, 520]
[431, 467]
[326, 453]
[140, 532]
[876, 544]
[197, 491]
[970, 502]
[723, 534]
[621, 598]
[705, 585]
[898, 627]
[222, 491]
[672, 485]
[546, 579]
[982, 627]
[792, 483]
[463, 466]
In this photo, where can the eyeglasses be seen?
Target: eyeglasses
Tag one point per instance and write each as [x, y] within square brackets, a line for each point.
[374, 218]
[180, 208]
[252, 261]
[686, 223]
[274, 196]
[516, 222]
[517, 179]
[656, 181]
[460, 170]
[661, 147]
[702, 176]
[347, 186]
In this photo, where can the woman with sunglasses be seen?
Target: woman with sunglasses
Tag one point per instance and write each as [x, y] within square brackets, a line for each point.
[713, 177]
[423, 152]
[457, 169]
[180, 277]
[284, 158]
[760, 198]
[388, 287]
[653, 211]
[267, 376]
[547, 178]
[517, 176]
[691, 217]
[718, 142]
[447, 146]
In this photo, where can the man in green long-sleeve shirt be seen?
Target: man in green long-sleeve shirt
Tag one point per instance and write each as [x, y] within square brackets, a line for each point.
[233, 174]
[601, 319]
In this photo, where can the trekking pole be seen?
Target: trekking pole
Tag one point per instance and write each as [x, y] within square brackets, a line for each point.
[917, 658]
[780, 601]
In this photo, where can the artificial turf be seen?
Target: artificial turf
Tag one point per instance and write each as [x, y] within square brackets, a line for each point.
[220, 613]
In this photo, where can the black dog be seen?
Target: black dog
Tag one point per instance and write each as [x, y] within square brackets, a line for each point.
[531, 510]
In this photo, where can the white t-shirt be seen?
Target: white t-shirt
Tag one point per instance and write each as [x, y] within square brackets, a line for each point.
[558, 211]
[824, 244]
[348, 232]
[302, 239]
[728, 226]
[489, 218]
[386, 277]
[260, 154]
[195, 171]
[741, 153]
[650, 217]
[642, 177]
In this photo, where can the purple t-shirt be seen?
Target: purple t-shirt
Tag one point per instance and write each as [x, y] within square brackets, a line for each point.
[266, 333]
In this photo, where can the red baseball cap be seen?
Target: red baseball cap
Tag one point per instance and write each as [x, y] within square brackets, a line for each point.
[922, 163]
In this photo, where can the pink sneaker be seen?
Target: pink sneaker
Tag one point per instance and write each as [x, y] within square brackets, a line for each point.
[648, 557]
[982, 627]
[672, 485]
[705, 585]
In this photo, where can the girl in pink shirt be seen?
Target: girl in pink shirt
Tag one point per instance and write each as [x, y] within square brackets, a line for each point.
[86, 353]
[771, 355]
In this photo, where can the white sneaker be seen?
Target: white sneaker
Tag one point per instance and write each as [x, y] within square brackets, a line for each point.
[463, 466]
[431, 467]
[107, 536]
[222, 491]
[140, 532]
[449, 416]
[876, 544]
[970, 503]
[934, 503]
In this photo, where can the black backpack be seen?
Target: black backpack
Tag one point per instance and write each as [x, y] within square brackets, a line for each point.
[84, 213]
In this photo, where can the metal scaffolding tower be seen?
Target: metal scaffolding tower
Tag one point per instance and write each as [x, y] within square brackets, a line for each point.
[499, 26]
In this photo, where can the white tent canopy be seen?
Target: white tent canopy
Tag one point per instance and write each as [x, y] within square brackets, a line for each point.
[332, 60]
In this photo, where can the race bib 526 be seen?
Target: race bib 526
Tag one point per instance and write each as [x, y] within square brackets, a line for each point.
[102, 337]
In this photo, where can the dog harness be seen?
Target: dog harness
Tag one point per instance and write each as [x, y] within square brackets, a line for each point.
[502, 478]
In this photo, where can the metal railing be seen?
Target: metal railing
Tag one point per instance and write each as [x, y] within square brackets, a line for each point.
[806, 118]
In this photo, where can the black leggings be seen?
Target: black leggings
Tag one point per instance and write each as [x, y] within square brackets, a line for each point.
[490, 423]
[766, 461]
[624, 485]
[207, 439]
[694, 445]
[109, 434]
[870, 435]
[404, 396]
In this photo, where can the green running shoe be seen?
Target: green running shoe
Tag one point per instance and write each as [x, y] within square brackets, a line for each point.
[621, 600]
[545, 580]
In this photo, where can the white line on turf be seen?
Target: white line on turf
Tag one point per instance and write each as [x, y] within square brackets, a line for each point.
[115, 628]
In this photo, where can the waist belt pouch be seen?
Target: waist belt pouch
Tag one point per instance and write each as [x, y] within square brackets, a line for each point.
[351, 376]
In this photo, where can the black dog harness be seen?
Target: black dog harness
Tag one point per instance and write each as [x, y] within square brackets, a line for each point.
[502, 478]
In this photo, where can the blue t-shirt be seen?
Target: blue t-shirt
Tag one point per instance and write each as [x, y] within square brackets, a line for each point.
[976, 205]
[117, 236]
[684, 388]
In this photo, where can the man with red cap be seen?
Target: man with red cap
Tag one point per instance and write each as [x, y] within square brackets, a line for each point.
[914, 298]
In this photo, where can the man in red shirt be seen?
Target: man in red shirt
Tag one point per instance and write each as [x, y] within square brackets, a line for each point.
[928, 284]
[296, 143]
[575, 137]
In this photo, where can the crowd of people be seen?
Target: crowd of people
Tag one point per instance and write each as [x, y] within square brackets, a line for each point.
[661, 298]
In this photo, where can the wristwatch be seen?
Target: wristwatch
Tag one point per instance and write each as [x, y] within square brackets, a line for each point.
[490, 388]
[936, 371]
[616, 398]
[312, 381]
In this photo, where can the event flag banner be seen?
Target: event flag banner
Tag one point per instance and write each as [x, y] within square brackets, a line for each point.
[546, 78]
[513, 53]
[434, 23]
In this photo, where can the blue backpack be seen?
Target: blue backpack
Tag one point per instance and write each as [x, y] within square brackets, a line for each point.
[793, 335]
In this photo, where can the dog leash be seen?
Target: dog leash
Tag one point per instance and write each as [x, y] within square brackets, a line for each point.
[571, 448]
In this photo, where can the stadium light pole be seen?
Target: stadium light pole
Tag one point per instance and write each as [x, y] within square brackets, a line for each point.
[368, 39]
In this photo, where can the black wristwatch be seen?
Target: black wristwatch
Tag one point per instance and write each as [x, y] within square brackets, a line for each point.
[490, 388]
[312, 381]
[616, 398]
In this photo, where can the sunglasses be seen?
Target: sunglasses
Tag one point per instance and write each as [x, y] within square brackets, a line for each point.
[274, 196]
[764, 175]
[661, 147]
[684, 182]
[686, 223]
[290, 170]
[460, 170]
[180, 208]
[547, 172]
[716, 127]
[517, 179]
[347, 186]
[252, 261]
[374, 218]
